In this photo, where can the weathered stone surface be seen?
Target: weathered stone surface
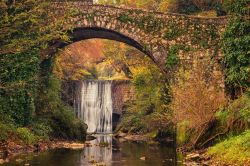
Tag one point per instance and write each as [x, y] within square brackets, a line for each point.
[197, 39]
[122, 92]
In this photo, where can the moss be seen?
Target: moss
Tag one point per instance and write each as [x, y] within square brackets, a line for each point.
[146, 22]
[173, 31]
[172, 57]
[90, 17]
[181, 133]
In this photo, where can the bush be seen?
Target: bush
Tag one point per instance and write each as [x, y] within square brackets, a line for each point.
[41, 129]
[5, 131]
[132, 123]
[196, 103]
[65, 125]
[235, 118]
[26, 136]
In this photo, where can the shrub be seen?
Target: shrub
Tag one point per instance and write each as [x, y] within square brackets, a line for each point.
[26, 136]
[235, 118]
[41, 129]
[132, 123]
[196, 103]
[5, 131]
[65, 125]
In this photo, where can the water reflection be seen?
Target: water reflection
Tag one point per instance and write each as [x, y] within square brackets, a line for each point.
[99, 150]
[105, 151]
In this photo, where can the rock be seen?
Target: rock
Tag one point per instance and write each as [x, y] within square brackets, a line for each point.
[69, 145]
[92, 162]
[41, 147]
[19, 160]
[2, 161]
[143, 158]
[100, 164]
[90, 138]
[74, 146]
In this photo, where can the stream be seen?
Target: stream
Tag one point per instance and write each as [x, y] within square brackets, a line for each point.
[103, 151]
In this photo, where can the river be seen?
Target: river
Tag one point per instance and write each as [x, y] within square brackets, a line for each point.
[103, 151]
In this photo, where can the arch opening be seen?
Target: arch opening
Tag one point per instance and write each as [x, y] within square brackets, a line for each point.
[79, 34]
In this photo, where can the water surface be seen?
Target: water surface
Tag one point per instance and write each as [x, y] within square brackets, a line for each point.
[110, 153]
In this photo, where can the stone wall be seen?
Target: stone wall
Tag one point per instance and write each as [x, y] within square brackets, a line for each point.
[194, 40]
[122, 93]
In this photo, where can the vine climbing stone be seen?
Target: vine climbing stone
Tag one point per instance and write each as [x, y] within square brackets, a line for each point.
[172, 41]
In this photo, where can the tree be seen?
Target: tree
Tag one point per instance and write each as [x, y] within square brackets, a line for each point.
[25, 24]
[236, 46]
[26, 27]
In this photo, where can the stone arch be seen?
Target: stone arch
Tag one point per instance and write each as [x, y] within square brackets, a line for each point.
[101, 33]
[85, 33]
[192, 40]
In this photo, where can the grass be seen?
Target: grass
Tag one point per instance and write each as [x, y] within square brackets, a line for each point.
[233, 151]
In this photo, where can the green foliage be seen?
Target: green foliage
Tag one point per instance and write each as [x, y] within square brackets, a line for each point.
[172, 57]
[26, 136]
[58, 119]
[238, 7]
[182, 135]
[236, 46]
[41, 129]
[173, 32]
[28, 26]
[233, 150]
[18, 80]
[65, 125]
[149, 111]
[148, 23]
[25, 24]
[235, 118]
[5, 131]
[132, 123]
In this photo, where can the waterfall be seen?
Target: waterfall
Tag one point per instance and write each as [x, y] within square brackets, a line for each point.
[93, 104]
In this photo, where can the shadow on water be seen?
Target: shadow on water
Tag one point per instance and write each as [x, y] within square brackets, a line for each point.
[107, 152]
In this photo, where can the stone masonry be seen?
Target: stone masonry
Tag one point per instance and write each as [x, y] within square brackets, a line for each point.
[195, 40]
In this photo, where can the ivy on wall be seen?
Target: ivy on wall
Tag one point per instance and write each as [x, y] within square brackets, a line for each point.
[18, 80]
[146, 22]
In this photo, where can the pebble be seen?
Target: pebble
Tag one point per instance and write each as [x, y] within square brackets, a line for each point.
[1, 161]
[19, 160]
[143, 158]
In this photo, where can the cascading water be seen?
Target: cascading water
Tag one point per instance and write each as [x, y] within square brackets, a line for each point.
[93, 104]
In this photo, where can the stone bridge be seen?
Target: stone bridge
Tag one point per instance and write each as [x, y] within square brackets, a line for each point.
[166, 38]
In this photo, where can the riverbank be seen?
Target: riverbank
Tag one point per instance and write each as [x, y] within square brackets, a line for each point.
[104, 150]
[11, 149]
[234, 150]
